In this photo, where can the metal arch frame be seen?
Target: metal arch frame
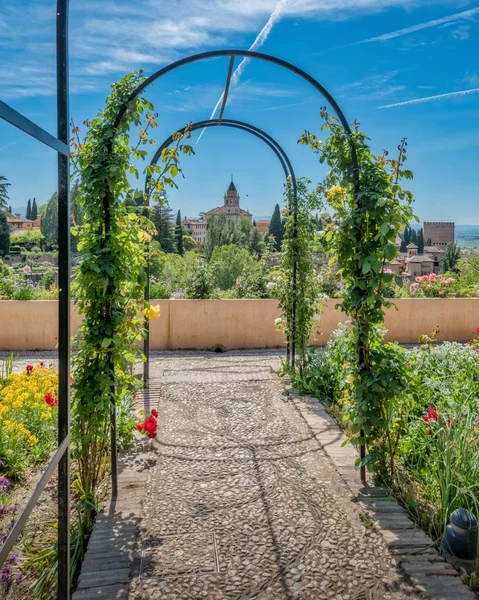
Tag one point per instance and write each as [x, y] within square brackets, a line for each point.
[206, 124]
[61, 457]
[267, 58]
[297, 71]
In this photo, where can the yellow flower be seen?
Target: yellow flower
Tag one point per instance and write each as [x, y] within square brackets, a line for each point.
[152, 312]
[336, 196]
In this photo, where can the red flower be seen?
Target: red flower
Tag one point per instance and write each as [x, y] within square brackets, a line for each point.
[149, 426]
[41, 364]
[50, 399]
[469, 343]
[431, 415]
[477, 330]
[29, 369]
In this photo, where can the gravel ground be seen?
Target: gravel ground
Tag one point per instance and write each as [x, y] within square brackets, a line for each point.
[243, 503]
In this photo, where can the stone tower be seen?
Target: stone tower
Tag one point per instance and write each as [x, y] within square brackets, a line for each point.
[232, 197]
[440, 233]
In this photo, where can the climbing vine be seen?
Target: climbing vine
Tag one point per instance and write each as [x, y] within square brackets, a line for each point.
[297, 286]
[366, 222]
[113, 243]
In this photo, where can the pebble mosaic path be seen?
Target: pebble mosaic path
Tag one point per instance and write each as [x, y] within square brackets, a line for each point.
[243, 503]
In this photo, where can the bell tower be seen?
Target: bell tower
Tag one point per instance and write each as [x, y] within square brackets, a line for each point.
[231, 199]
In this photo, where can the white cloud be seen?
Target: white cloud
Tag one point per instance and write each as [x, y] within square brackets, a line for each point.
[111, 37]
[433, 98]
[461, 33]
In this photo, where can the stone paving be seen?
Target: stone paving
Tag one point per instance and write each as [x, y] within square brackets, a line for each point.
[243, 503]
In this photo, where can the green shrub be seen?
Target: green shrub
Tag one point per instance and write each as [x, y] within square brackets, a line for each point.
[228, 263]
[159, 290]
[200, 284]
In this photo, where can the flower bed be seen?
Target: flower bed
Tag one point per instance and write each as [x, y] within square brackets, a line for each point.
[28, 418]
[28, 425]
[428, 451]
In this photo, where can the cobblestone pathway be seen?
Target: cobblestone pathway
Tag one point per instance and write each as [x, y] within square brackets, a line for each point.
[243, 504]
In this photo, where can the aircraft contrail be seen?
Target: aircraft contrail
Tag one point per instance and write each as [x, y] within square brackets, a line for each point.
[432, 98]
[259, 41]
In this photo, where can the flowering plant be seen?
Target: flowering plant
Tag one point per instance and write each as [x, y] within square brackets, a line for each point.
[430, 286]
[150, 425]
[27, 418]
[152, 312]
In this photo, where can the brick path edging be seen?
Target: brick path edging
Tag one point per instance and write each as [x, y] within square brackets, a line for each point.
[414, 549]
[113, 546]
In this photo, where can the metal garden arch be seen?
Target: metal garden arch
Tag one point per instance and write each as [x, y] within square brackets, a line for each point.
[288, 172]
[267, 58]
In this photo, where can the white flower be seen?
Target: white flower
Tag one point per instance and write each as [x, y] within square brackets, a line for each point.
[27, 270]
[270, 285]
[317, 318]
[278, 321]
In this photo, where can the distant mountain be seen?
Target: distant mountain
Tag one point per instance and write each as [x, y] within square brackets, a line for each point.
[19, 209]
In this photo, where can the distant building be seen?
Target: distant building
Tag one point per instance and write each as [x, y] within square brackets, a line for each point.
[441, 234]
[415, 264]
[263, 225]
[18, 223]
[196, 228]
[231, 206]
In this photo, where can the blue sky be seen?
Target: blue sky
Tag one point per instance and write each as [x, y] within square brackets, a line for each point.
[401, 67]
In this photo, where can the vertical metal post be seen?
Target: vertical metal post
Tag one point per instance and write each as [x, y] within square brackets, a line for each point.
[64, 302]
[146, 341]
[113, 448]
[295, 275]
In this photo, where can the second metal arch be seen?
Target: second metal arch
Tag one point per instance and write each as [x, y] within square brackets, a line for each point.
[235, 124]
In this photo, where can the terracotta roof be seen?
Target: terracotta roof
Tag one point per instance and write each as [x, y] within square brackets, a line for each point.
[220, 210]
[411, 245]
[420, 258]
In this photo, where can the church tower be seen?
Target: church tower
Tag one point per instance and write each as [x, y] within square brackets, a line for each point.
[231, 199]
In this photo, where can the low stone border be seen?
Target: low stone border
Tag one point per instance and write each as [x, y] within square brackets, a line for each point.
[414, 549]
[113, 545]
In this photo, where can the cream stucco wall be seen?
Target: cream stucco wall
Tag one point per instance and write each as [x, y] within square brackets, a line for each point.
[189, 324]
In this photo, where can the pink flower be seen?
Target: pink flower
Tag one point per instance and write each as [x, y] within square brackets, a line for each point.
[29, 369]
[441, 292]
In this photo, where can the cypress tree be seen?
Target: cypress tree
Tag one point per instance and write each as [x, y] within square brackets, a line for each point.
[28, 214]
[4, 197]
[420, 242]
[49, 223]
[179, 235]
[256, 244]
[413, 236]
[451, 256]
[161, 217]
[34, 210]
[4, 235]
[276, 228]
